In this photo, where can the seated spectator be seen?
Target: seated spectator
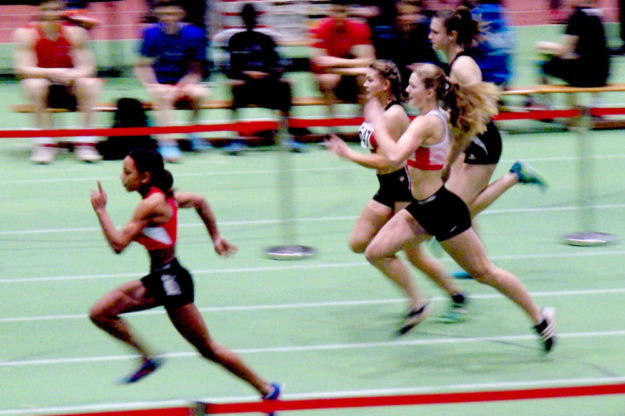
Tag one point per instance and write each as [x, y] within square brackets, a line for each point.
[170, 69]
[57, 70]
[495, 51]
[255, 68]
[342, 52]
[582, 58]
[410, 42]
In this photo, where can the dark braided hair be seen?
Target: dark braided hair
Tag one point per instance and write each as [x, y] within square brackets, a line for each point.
[389, 71]
[149, 160]
[462, 23]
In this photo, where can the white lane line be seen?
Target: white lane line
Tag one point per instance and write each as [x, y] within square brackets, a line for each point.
[321, 347]
[305, 305]
[310, 219]
[572, 254]
[154, 404]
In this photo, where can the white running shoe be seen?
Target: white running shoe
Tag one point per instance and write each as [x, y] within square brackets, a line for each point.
[546, 328]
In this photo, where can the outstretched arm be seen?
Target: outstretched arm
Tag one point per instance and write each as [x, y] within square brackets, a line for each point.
[372, 160]
[120, 239]
[191, 200]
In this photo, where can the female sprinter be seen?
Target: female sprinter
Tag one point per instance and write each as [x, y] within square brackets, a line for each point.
[453, 33]
[436, 211]
[154, 225]
[383, 84]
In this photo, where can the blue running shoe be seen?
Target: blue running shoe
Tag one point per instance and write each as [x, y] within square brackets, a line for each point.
[147, 368]
[461, 274]
[529, 174]
[273, 395]
[235, 148]
[170, 152]
[198, 144]
[456, 313]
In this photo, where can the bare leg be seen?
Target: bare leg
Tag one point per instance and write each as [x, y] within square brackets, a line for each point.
[492, 192]
[370, 221]
[129, 297]
[467, 250]
[381, 252]
[189, 322]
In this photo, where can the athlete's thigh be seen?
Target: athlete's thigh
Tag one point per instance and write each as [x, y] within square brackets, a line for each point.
[468, 252]
[371, 219]
[129, 297]
[400, 230]
[467, 180]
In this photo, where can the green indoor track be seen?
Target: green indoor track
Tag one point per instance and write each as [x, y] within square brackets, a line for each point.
[323, 326]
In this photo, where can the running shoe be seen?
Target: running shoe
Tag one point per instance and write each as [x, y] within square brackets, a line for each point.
[273, 395]
[546, 328]
[87, 152]
[528, 174]
[147, 368]
[198, 144]
[170, 152]
[414, 317]
[461, 274]
[43, 154]
[456, 313]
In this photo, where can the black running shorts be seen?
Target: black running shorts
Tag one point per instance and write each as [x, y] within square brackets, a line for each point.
[486, 148]
[394, 187]
[171, 285]
[443, 215]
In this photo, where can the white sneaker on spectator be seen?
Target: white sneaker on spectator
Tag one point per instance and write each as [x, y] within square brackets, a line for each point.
[87, 152]
[43, 153]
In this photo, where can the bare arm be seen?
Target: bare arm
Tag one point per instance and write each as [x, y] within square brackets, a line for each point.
[565, 49]
[84, 61]
[465, 71]
[203, 209]
[120, 239]
[370, 160]
[144, 71]
[24, 58]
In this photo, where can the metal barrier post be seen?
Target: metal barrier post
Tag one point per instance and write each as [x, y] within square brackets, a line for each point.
[288, 251]
[585, 171]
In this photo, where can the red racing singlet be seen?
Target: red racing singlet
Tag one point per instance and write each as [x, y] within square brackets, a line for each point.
[160, 236]
[53, 53]
[432, 157]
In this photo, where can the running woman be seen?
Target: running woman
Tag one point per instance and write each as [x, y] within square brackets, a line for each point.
[169, 284]
[383, 84]
[437, 211]
[453, 33]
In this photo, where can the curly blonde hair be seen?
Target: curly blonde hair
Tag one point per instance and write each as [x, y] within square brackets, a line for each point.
[470, 107]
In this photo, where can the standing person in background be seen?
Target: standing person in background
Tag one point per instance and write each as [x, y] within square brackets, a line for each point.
[436, 211]
[57, 70]
[170, 68]
[383, 85]
[169, 284]
[342, 50]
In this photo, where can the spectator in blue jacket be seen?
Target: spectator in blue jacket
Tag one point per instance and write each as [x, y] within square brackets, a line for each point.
[494, 53]
[170, 68]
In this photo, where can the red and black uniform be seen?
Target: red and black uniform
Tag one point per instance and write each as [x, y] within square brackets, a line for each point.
[171, 284]
[394, 186]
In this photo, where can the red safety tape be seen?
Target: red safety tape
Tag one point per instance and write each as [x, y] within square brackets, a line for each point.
[172, 411]
[414, 399]
[249, 127]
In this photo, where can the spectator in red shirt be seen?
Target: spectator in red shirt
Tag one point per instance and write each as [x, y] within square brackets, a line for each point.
[57, 69]
[342, 52]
